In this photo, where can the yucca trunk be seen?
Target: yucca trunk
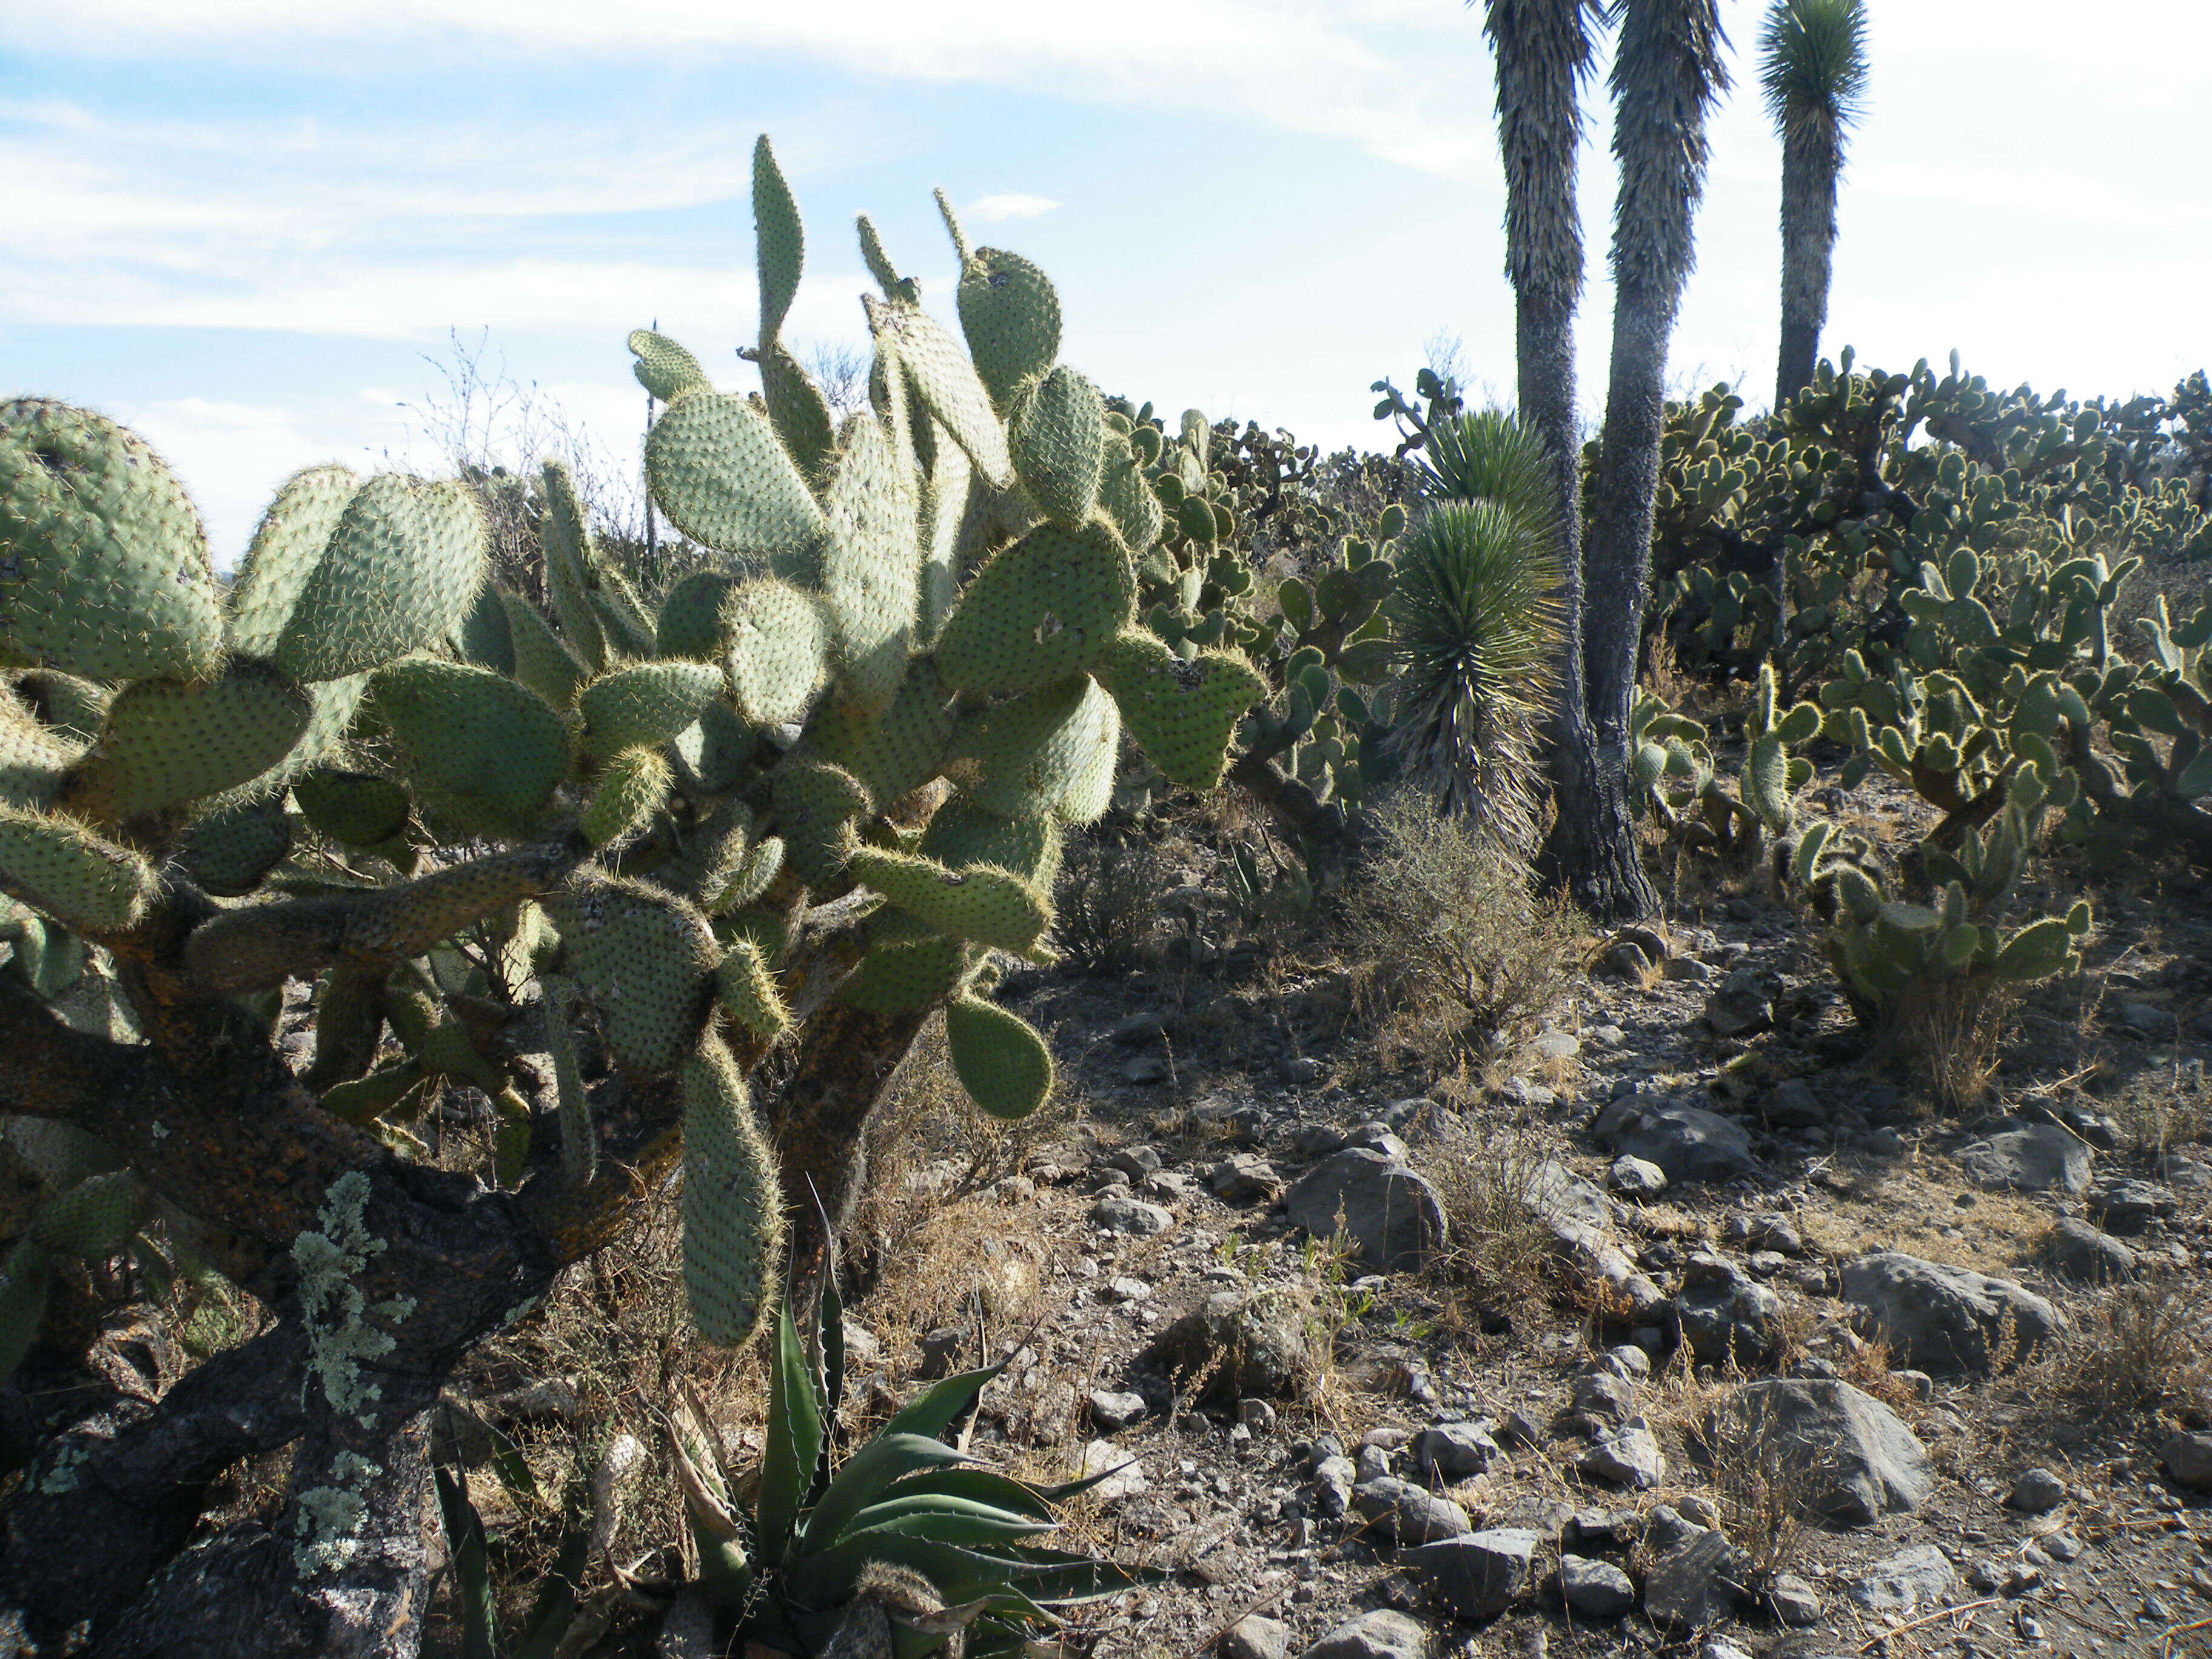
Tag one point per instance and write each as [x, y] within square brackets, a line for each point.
[1811, 164]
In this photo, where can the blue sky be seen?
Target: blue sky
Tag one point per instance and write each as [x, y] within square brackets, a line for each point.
[242, 225]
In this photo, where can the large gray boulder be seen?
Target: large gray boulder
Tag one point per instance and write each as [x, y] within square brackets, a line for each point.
[2027, 1158]
[1406, 1514]
[1940, 1318]
[1478, 1576]
[1234, 1346]
[1693, 1575]
[1382, 1634]
[1858, 1460]
[1727, 1316]
[2078, 1252]
[1392, 1214]
[1687, 1142]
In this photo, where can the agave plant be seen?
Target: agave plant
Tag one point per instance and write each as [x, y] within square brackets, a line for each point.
[1474, 619]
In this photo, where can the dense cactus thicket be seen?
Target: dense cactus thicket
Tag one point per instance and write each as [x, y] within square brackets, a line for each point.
[572, 878]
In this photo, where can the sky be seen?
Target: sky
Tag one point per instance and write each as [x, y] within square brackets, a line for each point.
[254, 230]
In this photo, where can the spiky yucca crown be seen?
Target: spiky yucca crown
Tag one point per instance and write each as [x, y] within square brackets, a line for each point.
[941, 592]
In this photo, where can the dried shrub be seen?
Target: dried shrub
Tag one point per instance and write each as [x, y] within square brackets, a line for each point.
[2141, 1347]
[1108, 901]
[1452, 955]
[1500, 1248]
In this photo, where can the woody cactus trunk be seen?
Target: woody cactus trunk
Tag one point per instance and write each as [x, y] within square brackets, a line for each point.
[583, 876]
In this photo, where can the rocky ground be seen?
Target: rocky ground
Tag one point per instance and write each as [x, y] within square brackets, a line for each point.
[1723, 1273]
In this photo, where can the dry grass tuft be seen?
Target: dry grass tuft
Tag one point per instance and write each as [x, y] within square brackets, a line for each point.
[1107, 900]
[2141, 1347]
[1949, 1036]
[1501, 1249]
[1452, 957]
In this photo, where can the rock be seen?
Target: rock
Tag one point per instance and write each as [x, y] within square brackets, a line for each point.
[1742, 1004]
[1726, 1316]
[1594, 1589]
[1114, 1411]
[941, 1350]
[1793, 1105]
[2027, 1158]
[1136, 1162]
[1138, 1028]
[1117, 1213]
[1332, 1477]
[2035, 1492]
[1299, 1068]
[1693, 1576]
[1629, 1457]
[1170, 1185]
[1146, 1069]
[1127, 1476]
[1378, 1137]
[2126, 1207]
[1859, 1459]
[1383, 1634]
[1556, 1047]
[1795, 1602]
[2147, 1019]
[1558, 1195]
[1317, 1140]
[2078, 1252]
[1636, 1177]
[1768, 1229]
[1477, 1576]
[2177, 1170]
[1406, 1514]
[1390, 1213]
[1922, 1576]
[1253, 1636]
[1243, 1346]
[1687, 971]
[1606, 1396]
[1245, 1178]
[1104, 1179]
[1721, 1651]
[1373, 1463]
[1595, 1254]
[1455, 1452]
[1523, 1091]
[1687, 1142]
[2187, 1459]
[1257, 1415]
[1940, 1318]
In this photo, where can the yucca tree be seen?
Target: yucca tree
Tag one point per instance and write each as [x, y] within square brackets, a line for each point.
[1668, 74]
[1474, 612]
[1812, 72]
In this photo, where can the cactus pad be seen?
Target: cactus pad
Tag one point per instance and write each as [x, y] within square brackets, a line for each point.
[1010, 316]
[227, 853]
[901, 977]
[644, 704]
[34, 756]
[633, 786]
[797, 410]
[753, 878]
[747, 990]
[1128, 497]
[779, 239]
[980, 903]
[1181, 712]
[357, 808]
[869, 564]
[896, 752]
[56, 864]
[168, 742]
[690, 621]
[541, 662]
[663, 368]
[401, 570]
[487, 752]
[963, 834]
[1042, 610]
[946, 382]
[1000, 1060]
[733, 1204]
[104, 569]
[816, 804]
[1049, 753]
[286, 547]
[645, 957]
[724, 478]
[94, 1217]
[1059, 443]
[777, 640]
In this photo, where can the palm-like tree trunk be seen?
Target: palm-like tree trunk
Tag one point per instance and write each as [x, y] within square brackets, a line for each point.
[1813, 72]
[1809, 171]
[1666, 77]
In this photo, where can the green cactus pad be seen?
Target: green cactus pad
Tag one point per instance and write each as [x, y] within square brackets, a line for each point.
[945, 509]
[663, 368]
[633, 786]
[724, 478]
[1050, 753]
[747, 990]
[1058, 438]
[1000, 1058]
[489, 752]
[57, 866]
[285, 550]
[1010, 316]
[733, 1204]
[227, 853]
[104, 569]
[168, 742]
[690, 621]
[571, 562]
[357, 808]
[963, 834]
[93, 1218]
[988, 906]
[753, 878]
[798, 411]
[34, 756]
[776, 640]
[644, 704]
[541, 662]
[1042, 610]
[2037, 952]
[334, 704]
[579, 1137]
[946, 382]
[898, 751]
[897, 978]
[1128, 498]
[646, 959]
[402, 570]
[622, 621]
[779, 241]
[484, 637]
[74, 709]
[1183, 713]
[870, 565]
[816, 805]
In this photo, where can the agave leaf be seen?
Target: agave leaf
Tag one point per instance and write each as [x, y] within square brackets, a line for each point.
[982, 1487]
[861, 1483]
[554, 1610]
[938, 1515]
[934, 1413]
[795, 1440]
[464, 1537]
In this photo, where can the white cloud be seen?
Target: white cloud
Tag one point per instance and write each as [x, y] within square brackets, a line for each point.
[991, 209]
